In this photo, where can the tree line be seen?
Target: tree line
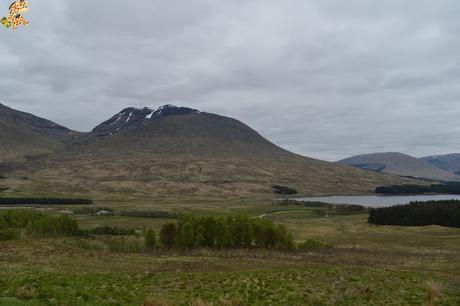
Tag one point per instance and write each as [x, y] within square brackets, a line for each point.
[224, 232]
[186, 233]
[316, 204]
[443, 213]
[36, 224]
[446, 188]
[45, 201]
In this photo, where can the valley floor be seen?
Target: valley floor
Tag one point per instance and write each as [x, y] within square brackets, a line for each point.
[369, 265]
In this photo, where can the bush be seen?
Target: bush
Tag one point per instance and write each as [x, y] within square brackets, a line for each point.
[9, 234]
[284, 239]
[19, 218]
[241, 230]
[264, 233]
[38, 223]
[115, 231]
[150, 239]
[54, 226]
[168, 234]
[283, 190]
[443, 213]
[123, 244]
[186, 234]
[311, 244]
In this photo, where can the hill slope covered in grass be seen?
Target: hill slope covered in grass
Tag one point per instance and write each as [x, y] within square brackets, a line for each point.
[23, 134]
[399, 164]
[182, 151]
[448, 162]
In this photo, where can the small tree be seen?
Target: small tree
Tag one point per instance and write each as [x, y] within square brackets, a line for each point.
[284, 238]
[223, 238]
[168, 234]
[186, 235]
[241, 231]
[209, 230]
[49, 226]
[150, 239]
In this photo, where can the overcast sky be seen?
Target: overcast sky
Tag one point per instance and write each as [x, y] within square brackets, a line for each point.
[323, 78]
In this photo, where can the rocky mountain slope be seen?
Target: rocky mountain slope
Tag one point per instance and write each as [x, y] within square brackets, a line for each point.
[182, 151]
[399, 164]
[23, 134]
[448, 162]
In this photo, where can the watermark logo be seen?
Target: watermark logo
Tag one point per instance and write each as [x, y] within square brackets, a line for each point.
[15, 16]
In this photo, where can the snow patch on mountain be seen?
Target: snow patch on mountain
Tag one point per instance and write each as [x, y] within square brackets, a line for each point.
[131, 115]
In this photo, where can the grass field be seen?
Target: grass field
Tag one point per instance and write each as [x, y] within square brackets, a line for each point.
[369, 265]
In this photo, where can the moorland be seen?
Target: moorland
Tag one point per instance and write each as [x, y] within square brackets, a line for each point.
[341, 259]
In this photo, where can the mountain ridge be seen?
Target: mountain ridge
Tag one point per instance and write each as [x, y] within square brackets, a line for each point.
[182, 151]
[23, 134]
[399, 164]
[449, 162]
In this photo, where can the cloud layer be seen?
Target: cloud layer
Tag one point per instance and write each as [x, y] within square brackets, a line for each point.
[324, 78]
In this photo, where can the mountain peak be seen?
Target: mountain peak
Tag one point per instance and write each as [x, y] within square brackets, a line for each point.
[171, 110]
[133, 115]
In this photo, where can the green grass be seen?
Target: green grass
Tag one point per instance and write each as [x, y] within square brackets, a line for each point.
[63, 273]
[7, 301]
[78, 277]
[288, 287]
[370, 265]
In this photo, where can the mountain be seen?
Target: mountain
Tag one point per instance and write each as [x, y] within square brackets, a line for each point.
[142, 152]
[399, 164]
[131, 116]
[174, 130]
[23, 134]
[448, 162]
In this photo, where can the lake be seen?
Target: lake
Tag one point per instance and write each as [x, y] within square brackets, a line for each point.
[379, 201]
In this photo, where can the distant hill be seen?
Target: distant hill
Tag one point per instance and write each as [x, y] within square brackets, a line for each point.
[183, 151]
[448, 162]
[23, 134]
[399, 164]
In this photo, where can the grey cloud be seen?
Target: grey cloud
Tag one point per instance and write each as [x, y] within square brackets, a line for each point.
[324, 78]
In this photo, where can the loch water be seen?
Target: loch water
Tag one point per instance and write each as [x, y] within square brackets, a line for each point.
[379, 201]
